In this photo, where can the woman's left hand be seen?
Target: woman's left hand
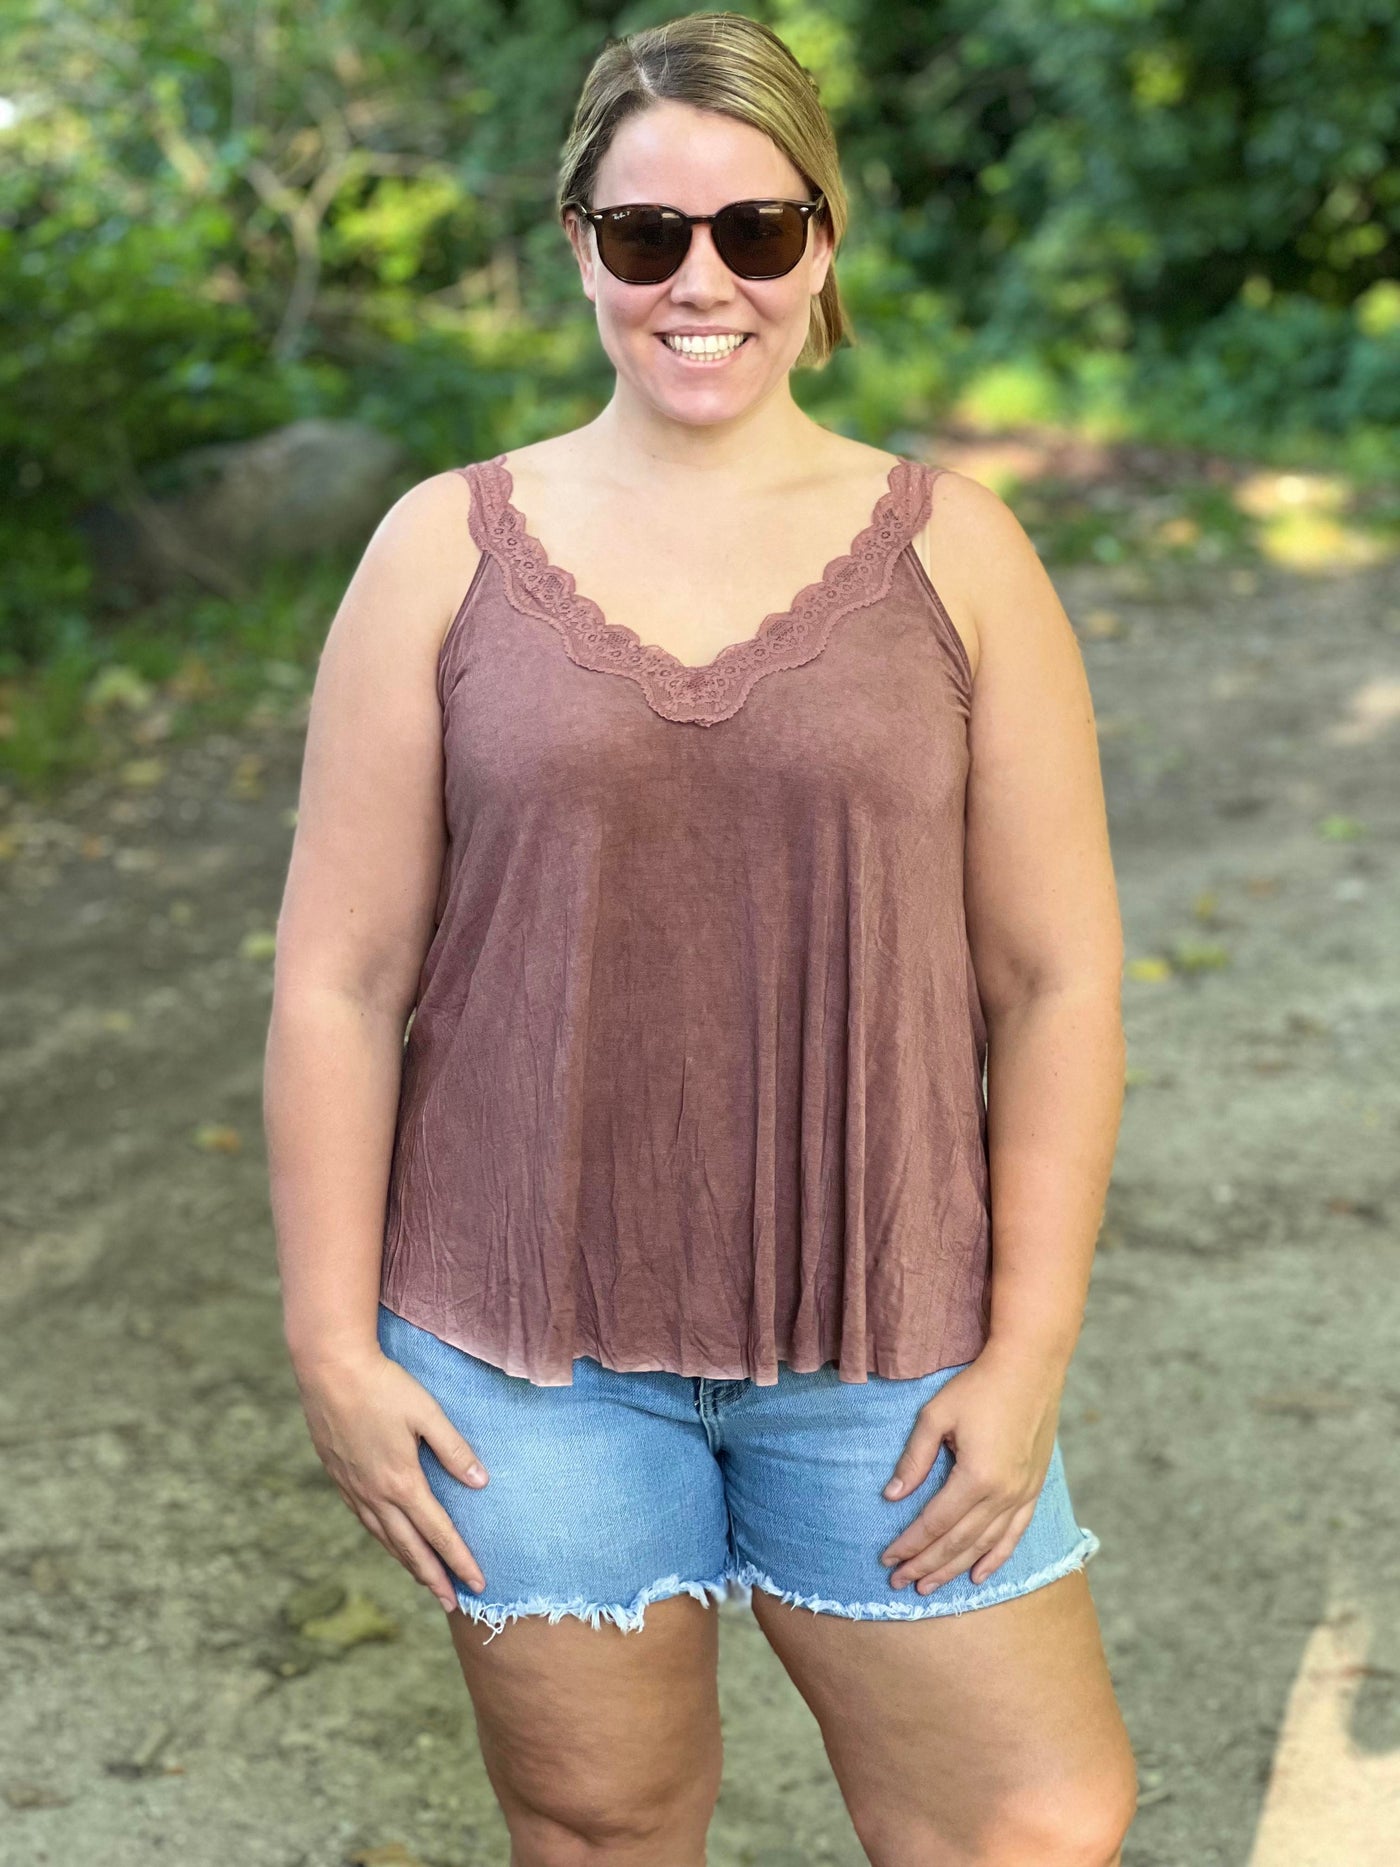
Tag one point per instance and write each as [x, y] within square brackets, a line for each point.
[999, 1416]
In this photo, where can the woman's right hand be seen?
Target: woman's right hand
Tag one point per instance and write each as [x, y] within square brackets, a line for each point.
[366, 1415]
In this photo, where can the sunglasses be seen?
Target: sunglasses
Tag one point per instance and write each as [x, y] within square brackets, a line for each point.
[642, 243]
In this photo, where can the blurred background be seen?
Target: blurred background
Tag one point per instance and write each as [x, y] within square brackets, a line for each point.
[1133, 263]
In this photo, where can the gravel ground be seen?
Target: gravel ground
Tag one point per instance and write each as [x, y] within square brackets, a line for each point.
[207, 1659]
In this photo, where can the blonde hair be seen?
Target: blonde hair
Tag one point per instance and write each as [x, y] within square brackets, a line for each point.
[736, 66]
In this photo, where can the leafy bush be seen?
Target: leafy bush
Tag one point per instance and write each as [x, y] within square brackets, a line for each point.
[215, 218]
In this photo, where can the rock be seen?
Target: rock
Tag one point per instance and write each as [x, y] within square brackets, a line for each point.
[217, 515]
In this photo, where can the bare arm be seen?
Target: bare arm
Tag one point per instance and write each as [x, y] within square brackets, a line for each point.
[1046, 936]
[356, 918]
[1047, 948]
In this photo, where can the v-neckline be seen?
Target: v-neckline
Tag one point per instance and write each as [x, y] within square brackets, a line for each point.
[710, 691]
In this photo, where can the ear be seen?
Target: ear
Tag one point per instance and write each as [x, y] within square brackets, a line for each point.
[822, 250]
[580, 239]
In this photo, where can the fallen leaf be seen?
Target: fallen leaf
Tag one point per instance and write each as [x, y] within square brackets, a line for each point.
[118, 686]
[1153, 970]
[247, 775]
[1191, 955]
[142, 774]
[360, 1619]
[314, 1602]
[1103, 623]
[1341, 829]
[215, 1138]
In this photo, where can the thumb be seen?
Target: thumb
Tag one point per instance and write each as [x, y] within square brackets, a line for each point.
[452, 1451]
[921, 1450]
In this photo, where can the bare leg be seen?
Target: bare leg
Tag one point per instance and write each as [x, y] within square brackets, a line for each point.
[985, 1739]
[599, 1744]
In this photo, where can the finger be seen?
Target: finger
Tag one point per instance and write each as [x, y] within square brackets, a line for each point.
[934, 1566]
[955, 1554]
[452, 1451]
[401, 1539]
[988, 1565]
[417, 1502]
[959, 1565]
[940, 1517]
[983, 1566]
[401, 1548]
[438, 1530]
[418, 1557]
[958, 1548]
[918, 1458]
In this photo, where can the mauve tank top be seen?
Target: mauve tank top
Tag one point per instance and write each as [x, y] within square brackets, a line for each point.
[694, 1078]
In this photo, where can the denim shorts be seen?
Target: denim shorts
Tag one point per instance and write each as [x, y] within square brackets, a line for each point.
[628, 1487]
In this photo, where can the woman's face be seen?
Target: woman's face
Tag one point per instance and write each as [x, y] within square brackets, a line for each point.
[697, 160]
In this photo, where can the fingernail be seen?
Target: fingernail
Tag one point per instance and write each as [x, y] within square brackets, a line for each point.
[475, 1475]
[894, 1487]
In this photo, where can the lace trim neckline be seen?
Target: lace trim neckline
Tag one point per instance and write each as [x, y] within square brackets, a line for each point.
[674, 689]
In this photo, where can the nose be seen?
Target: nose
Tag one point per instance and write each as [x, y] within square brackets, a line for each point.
[702, 273]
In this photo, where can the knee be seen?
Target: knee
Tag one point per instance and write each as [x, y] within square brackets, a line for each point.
[1067, 1825]
[541, 1841]
[578, 1825]
[544, 1841]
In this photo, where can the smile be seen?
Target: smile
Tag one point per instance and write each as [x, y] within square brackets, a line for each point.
[706, 352]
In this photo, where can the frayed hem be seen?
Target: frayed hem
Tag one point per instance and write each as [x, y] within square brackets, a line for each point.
[629, 1617]
[893, 1610]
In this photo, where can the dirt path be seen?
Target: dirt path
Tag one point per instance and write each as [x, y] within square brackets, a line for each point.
[1229, 1423]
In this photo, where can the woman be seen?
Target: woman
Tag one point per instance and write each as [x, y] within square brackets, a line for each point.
[706, 929]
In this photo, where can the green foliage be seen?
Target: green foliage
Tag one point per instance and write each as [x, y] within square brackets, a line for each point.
[1290, 366]
[1150, 216]
[192, 665]
[1088, 167]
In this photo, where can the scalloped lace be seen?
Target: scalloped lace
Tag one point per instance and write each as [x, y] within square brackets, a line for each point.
[785, 638]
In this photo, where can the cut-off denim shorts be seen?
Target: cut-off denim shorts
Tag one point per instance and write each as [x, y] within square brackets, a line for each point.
[629, 1487]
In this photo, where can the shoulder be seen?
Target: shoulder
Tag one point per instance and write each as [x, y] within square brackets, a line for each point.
[978, 555]
[423, 546]
[948, 544]
[839, 460]
[430, 512]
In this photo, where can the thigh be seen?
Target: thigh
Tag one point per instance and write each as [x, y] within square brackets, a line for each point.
[976, 1723]
[601, 1497]
[609, 1736]
[987, 1737]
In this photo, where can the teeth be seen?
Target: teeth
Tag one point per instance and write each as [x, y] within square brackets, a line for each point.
[703, 346]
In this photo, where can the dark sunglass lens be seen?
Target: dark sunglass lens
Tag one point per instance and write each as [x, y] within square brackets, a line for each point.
[760, 239]
[642, 245]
